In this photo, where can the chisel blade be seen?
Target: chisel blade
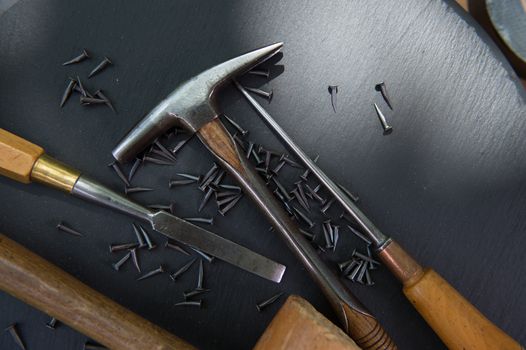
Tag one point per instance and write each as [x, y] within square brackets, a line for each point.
[217, 246]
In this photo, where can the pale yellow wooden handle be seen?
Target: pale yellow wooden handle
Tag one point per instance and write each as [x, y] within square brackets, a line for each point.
[458, 323]
[17, 156]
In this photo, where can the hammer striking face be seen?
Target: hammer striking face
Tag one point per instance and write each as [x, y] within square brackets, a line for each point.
[191, 105]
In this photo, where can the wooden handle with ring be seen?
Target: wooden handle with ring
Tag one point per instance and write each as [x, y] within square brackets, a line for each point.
[458, 323]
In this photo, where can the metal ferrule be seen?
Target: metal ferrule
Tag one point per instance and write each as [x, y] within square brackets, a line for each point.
[51, 172]
[93, 191]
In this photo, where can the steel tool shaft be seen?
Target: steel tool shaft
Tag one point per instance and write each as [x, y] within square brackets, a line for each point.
[458, 323]
[193, 105]
[26, 162]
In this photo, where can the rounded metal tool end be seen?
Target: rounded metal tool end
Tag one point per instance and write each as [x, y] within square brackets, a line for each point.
[142, 135]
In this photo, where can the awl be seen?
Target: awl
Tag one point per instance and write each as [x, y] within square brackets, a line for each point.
[24, 161]
[458, 323]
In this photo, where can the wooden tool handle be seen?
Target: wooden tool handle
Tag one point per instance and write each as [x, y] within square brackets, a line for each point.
[458, 323]
[298, 325]
[37, 282]
[361, 326]
[24, 161]
[17, 156]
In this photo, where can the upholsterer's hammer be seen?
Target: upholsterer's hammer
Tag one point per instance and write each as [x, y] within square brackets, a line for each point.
[193, 106]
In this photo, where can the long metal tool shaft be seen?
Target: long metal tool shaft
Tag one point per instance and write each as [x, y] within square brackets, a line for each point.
[380, 240]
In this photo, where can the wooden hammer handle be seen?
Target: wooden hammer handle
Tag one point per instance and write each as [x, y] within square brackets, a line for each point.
[357, 322]
[458, 323]
[37, 282]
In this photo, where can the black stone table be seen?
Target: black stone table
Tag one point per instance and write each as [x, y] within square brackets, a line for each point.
[449, 183]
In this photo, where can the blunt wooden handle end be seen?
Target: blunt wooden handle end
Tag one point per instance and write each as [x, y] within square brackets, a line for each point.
[17, 156]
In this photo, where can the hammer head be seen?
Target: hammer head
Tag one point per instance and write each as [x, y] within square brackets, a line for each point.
[192, 104]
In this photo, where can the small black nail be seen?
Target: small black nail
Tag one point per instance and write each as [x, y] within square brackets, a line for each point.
[383, 90]
[365, 257]
[136, 165]
[349, 194]
[175, 247]
[261, 305]
[151, 273]
[119, 247]
[188, 176]
[359, 234]
[182, 270]
[146, 238]
[292, 163]
[77, 59]
[119, 173]
[200, 275]
[278, 167]
[105, 62]
[387, 128]
[169, 157]
[304, 217]
[265, 94]
[157, 161]
[184, 182]
[230, 205]
[67, 92]
[116, 266]
[205, 256]
[101, 95]
[314, 194]
[16, 337]
[197, 303]
[51, 324]
[168, 207]
[352, 276]
[81, 87]
[139, 235]
[164, 150]
[208, 221]
[135, 259]
[230, 187]
[282, 189]
[62, 227]
[333, 90]
[307, 234]
[86, 101]
[195, 292]
[130, 190]
[260, 72]
[179, 145]
[236, 125]
[368, 279]
[327, 206]
[249, 149]
[206, 198]
[307, 171]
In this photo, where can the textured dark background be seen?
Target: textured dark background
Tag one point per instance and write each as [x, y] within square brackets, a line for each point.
[449, 183]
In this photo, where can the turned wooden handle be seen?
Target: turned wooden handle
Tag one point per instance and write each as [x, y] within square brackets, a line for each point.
[17, 156]
[298, 325]
[363, 328]
[37, 282]
[458, 323]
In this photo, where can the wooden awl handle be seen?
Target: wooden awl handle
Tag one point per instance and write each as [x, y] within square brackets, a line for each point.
[458, 323]
[24, 162]
[39, 283]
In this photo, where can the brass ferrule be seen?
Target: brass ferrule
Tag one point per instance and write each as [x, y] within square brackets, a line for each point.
[51, 172]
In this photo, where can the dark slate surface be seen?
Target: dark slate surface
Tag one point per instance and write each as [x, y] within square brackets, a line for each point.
[448, 183]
